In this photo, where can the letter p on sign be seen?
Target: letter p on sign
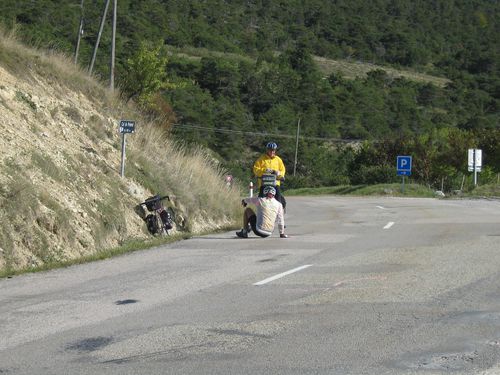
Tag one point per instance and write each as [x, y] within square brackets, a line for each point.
[404, 165]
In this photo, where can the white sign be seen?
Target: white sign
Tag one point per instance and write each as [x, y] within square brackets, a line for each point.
[475, 159]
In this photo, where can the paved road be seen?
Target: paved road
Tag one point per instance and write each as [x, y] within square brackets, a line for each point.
[363, 286]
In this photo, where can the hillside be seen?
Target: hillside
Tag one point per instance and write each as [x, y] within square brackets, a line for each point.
[352, 70]
[61, 195]
[345, 67]
[419, 78]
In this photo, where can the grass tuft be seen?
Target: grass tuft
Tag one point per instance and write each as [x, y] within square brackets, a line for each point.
[126, 247]
[26, 98]
[47, 166]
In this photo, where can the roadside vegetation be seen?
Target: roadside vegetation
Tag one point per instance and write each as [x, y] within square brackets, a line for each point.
[343, 88]
[61, 197]
[353, 76]
[130, 246]
[488, 191]
[393, 190]
[398, 190]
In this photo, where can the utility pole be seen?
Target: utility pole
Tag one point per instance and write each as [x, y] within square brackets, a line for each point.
[99, 37]
[80, 33]
[296, 147]
[112, 66]
[113, 43]
[474, 166]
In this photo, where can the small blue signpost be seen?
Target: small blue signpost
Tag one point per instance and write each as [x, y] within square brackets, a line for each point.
[126, 127]
[403, 168]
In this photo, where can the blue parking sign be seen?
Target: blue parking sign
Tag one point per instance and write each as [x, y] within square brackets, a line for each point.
[403, 165]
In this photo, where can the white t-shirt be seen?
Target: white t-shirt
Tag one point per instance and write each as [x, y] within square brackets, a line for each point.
[269, 212]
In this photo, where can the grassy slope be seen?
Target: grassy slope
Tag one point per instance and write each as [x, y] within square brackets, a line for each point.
[347, 69]
[62, 184]
[396, 190]
[412, 190]
[353, 70]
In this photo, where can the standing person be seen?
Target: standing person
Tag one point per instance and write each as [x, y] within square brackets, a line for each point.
[269, 212]
[270, 163]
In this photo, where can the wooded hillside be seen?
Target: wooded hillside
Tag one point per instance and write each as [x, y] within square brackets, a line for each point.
[242, 72]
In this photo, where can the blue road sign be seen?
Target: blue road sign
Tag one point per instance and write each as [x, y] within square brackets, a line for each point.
[127, 126]
[404, 165]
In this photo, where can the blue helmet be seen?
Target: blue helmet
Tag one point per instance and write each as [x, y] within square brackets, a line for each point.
[271, 146]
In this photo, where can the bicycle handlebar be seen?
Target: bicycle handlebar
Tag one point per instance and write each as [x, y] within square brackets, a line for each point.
[155, 199]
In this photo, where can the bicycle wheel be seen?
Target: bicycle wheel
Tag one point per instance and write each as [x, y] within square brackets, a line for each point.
[171, 212]
[166, 220]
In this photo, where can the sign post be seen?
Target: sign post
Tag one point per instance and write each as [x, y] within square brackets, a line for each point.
[475, 162]
[126, 126]
[403, 168]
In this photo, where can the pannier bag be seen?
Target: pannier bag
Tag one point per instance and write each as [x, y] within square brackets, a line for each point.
[268, 180]
[153, 203]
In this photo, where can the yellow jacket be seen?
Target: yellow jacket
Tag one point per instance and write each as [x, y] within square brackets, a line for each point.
[265, 163]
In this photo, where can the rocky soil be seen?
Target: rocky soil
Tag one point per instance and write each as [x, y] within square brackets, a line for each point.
[60, 150]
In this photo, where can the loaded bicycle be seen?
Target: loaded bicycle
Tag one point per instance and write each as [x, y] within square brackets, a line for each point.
[160, 220]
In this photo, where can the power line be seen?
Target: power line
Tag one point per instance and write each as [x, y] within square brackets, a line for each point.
[187, 127]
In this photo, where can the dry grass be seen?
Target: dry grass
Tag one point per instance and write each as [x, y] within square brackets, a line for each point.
[352, 70]
[193, 53]
[56, 210]
[348, 69]
[25, 61]
[190, 175]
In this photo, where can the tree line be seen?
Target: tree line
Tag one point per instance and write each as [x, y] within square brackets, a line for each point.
[350, 130]
[264, 81]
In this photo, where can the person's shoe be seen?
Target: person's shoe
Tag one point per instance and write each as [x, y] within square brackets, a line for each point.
[242, 233]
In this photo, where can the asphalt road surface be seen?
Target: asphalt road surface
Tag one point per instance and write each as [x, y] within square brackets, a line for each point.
[362, 286]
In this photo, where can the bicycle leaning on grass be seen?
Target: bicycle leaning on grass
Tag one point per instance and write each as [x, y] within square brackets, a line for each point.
[160, 219]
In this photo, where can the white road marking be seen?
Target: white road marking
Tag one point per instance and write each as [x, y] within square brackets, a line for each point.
[382, 208]
[389, 224]
[275, 277]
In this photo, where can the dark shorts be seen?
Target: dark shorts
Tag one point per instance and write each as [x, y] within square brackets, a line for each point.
[253, 224]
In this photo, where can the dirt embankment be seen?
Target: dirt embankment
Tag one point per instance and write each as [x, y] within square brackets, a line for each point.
[59, 174]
